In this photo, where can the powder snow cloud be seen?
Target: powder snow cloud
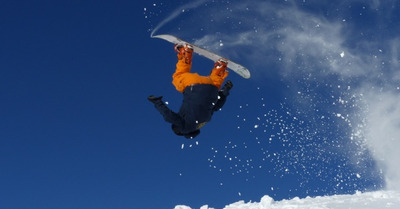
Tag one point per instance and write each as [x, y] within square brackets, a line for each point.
[295, 42]
[318, 40]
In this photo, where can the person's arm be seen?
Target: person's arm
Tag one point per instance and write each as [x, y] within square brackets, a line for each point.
[169, 115]
[222, 95]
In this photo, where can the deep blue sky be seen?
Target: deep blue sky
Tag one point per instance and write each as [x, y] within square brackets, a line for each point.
[76, 129]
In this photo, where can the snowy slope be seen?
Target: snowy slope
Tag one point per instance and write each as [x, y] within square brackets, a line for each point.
[369, 200]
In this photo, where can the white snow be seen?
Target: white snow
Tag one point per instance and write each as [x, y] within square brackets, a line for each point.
[368, 200]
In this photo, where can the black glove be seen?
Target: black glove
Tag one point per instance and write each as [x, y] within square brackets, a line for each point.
[154, 99]
[228, 85]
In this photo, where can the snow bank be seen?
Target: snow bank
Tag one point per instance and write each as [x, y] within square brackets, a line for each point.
[368, 200]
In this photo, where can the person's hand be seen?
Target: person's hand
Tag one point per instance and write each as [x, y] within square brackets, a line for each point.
[228, 85]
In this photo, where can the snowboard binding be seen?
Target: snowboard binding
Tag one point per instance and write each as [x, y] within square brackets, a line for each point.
[185, 51]
[221, 63]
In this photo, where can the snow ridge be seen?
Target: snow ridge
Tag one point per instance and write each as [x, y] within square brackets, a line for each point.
[368, 200]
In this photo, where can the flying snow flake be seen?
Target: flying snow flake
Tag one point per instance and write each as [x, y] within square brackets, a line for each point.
[183, 146]
[255, 126]
[342, 54]
[166, 102]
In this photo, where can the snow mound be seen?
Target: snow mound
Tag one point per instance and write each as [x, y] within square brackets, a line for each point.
[368, 200]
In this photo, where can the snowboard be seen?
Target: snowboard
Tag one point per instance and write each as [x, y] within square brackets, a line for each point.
[237, 68]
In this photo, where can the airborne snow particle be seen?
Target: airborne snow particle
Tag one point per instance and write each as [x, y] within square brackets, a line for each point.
[342, 54]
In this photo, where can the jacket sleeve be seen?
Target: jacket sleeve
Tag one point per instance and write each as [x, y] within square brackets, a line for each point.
[222, 95]
[168, 114]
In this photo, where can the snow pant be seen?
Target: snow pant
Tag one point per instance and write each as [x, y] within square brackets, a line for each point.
[183, 77]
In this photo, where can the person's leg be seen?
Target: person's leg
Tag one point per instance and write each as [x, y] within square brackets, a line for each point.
[181, 74]
[183, 77]
[219, 72]
[183, 66]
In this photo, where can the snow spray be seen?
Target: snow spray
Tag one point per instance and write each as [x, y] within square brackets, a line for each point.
[176, 13]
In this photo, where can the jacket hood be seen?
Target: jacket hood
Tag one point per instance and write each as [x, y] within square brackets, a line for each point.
[190, 135]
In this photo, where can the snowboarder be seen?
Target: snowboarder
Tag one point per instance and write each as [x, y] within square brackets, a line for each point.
[202, 95]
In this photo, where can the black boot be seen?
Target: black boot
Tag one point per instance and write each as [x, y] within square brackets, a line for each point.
[154, 99]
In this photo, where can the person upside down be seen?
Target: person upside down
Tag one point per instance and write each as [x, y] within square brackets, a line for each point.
[202, 95]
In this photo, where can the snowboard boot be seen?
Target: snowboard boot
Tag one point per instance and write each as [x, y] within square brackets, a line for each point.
[221, 63]
[154, 99]
[185, 51]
